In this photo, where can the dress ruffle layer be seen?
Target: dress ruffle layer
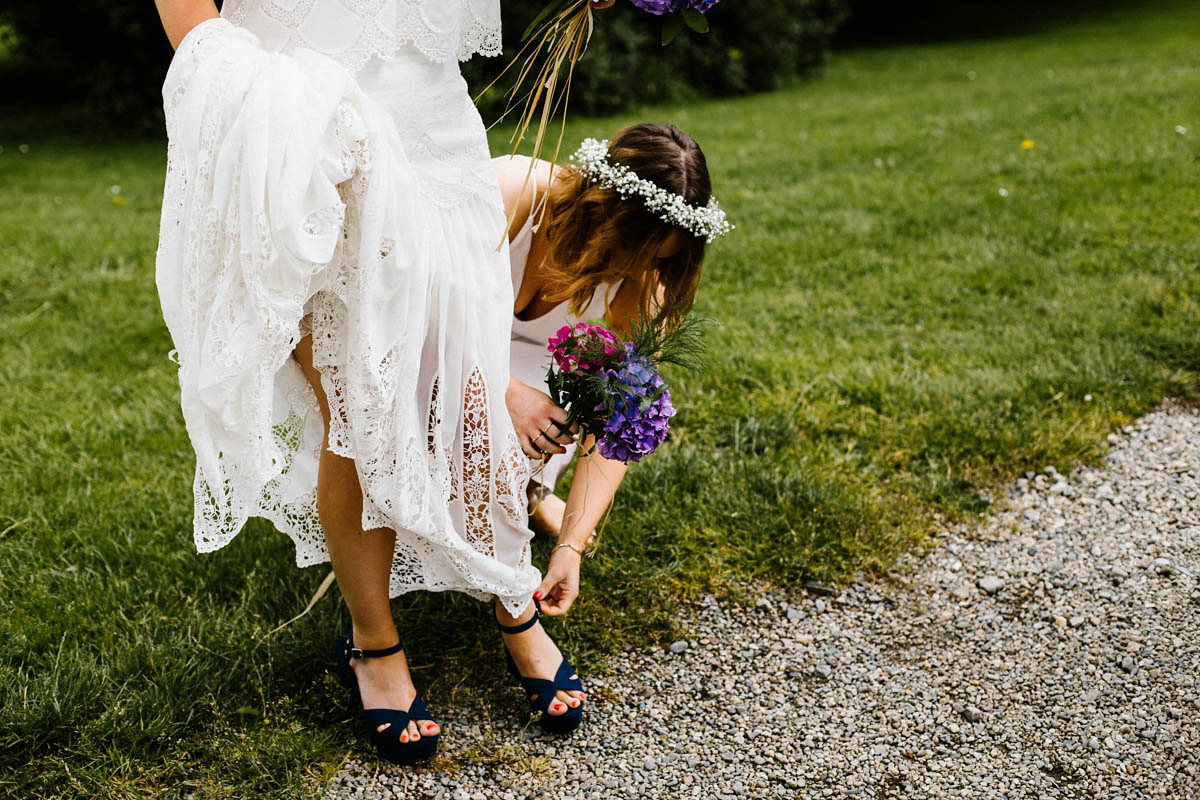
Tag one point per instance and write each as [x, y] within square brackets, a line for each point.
[292, 197]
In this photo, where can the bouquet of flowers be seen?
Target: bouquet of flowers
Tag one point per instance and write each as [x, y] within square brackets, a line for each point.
[561, 32]
[613, 389]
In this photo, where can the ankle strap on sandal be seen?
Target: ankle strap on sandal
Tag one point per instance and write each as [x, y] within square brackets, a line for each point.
[527, 624]
[358, 654]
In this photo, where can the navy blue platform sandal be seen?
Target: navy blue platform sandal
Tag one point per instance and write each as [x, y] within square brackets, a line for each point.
[541, 692]
[387, 742]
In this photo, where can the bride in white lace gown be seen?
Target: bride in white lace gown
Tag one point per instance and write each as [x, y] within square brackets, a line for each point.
[329, 272]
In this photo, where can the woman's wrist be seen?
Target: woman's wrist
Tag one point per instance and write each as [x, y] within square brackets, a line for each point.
[572, 541]
[567, 546]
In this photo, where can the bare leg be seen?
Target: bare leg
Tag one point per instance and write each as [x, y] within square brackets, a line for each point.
[536, 656]
[362, 562]
[546, 517]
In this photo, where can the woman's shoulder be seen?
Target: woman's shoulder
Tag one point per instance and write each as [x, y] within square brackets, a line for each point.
[514, 169]
[519, 186]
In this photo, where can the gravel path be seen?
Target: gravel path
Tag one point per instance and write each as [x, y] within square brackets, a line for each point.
[1052, 653]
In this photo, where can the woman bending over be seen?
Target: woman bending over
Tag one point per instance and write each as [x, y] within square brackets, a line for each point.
[580, 251]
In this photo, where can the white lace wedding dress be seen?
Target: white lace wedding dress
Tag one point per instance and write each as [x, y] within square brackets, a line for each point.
[327, 173]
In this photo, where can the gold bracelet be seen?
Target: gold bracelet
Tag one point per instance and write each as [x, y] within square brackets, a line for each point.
[569, 545]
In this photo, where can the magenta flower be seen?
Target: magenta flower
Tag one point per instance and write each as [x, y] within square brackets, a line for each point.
[584, 348]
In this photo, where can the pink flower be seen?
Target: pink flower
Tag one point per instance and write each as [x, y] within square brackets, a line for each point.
[584, 348]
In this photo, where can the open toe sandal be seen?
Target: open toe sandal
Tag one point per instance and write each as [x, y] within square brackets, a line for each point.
[541, 692]
[386, 742]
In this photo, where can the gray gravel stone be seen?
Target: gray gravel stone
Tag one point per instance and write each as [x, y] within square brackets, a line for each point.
[678, 647]
[991, 584]
[930, 693]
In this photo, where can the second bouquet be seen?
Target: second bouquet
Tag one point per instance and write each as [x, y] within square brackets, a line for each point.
[613, 389]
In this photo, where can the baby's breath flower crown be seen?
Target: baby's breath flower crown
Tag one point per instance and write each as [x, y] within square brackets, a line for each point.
[592, 160]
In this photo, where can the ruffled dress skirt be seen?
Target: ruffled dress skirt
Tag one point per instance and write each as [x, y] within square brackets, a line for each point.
[361, 209]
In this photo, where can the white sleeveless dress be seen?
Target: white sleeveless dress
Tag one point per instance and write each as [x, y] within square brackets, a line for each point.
[529, 358]
[328, 174]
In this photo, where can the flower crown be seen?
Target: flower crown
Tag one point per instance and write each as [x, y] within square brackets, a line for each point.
[707, 221]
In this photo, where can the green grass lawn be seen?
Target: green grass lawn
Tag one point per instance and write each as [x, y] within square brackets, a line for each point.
[914, 308]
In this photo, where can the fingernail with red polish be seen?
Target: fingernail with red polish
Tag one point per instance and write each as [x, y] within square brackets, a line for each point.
[538, 594]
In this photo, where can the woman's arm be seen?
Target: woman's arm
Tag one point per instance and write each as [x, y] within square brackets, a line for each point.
[180, 16]
[592, 489]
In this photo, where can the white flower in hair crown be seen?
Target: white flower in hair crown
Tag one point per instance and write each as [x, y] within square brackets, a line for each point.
[708, 221]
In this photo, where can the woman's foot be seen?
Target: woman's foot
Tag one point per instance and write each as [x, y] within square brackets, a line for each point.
[385, 682]
[537, 656]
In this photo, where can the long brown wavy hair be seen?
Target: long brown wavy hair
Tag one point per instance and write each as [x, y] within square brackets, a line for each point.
[595, 237]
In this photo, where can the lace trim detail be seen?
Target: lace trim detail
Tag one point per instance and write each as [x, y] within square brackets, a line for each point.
[443, 30]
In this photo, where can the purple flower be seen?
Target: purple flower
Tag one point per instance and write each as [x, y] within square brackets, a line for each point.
[641, 411]
[633, 432]
[661, 7]
[656, 6]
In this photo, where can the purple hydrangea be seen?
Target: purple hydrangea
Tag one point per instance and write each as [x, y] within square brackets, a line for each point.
[641, 411]
[671, 6]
